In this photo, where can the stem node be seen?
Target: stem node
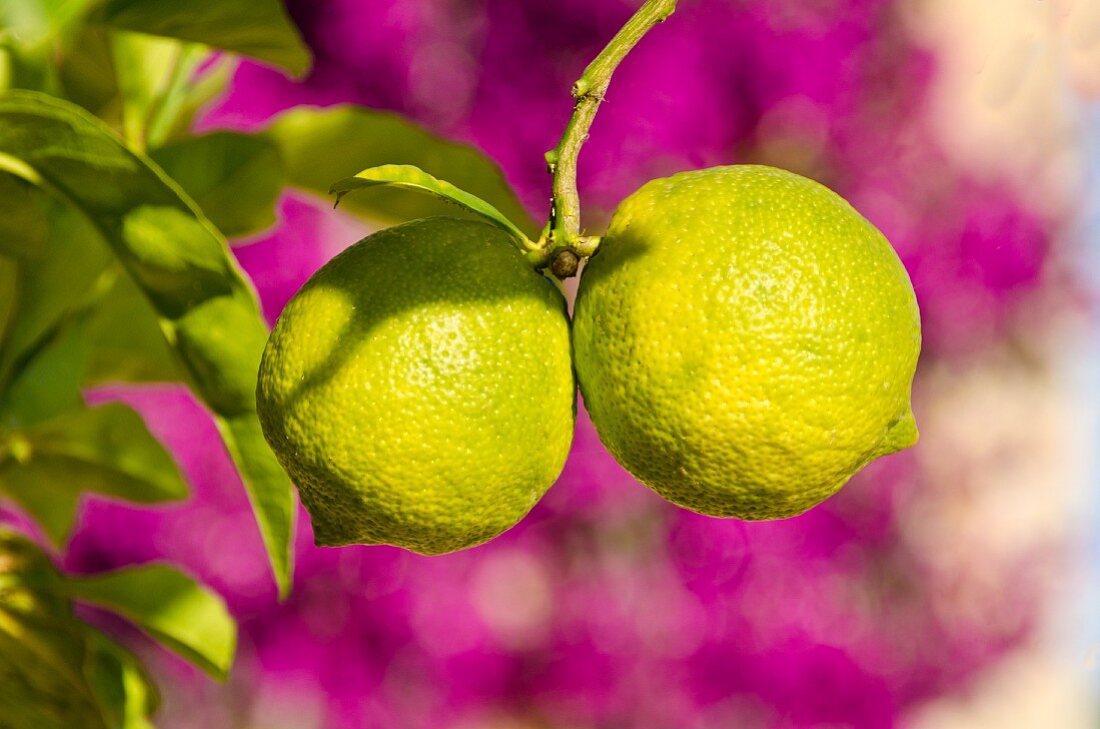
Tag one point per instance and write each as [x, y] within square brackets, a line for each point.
[563, 231]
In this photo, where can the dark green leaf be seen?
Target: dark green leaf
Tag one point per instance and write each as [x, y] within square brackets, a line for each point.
[414, 178]
[121, 686]
[23, 565]
[256, 28]
[25, 68]
[53, 286]
[235, 178]
[9, 295]
[170, 606]
[48, 381]
[86, 70]
[322, 145]
[48, 491]
[23, 224]
[53, 283]
[207, 310]
[125, 341]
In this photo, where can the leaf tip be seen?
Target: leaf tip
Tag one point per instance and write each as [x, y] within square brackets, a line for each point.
[284, 581]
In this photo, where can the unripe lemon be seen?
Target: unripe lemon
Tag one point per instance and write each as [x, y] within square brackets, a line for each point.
[745, 341]
[419, 388]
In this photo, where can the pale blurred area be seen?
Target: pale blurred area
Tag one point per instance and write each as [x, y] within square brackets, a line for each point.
[1012, 82]
[1010, 440]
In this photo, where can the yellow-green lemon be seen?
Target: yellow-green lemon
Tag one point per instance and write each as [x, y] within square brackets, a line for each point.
[745, 341]
[419, 388]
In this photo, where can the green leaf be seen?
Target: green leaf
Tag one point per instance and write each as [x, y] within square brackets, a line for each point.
[111, 440]
[32, 36]
[24, 228]
[203, 87]
[235, 178]
[23, 565]
[245, 440]
[55, 671]
[47, 382]
[43, 647]
[34, 22]
[54, 282]
[322, 145]
[9, 295]
[45, 345]
[207, 310]
[49, 491]
[171, 607]
[106, 450]
[23, 67]
[121, 686]
[150, 72]
[125, 341]
[87, 74]
[414, 178]
[175, 99]
[260, 29]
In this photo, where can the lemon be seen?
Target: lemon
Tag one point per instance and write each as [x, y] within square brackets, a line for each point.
[419, 388]
[745, 341]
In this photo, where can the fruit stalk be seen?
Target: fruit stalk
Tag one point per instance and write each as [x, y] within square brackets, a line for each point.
[563, 232]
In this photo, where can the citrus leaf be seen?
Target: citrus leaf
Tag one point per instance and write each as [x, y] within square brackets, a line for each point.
[136, 352]
[56, 671]
[235, 178]
[51, 289]
[414, 178]
[87, 73]
[181, 263]
[174, 609]
[47, 382]
[111, 439]
[202, 88]
[246, 444]
[42, 646]
[322, 145]
[259, 29]
[106, 450]
[34, 22]
[23, 224]
[151, 75]
[9, 296]
[121, 686]
[46, 490]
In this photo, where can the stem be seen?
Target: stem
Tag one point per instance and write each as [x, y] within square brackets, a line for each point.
[563, 230]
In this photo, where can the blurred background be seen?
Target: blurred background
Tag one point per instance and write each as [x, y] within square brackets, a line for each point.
[952, 585]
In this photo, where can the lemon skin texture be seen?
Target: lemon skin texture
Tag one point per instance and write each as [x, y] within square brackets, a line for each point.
[745, 341]
[419, 388]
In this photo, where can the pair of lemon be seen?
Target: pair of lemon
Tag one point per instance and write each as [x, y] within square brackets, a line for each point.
[744, 341]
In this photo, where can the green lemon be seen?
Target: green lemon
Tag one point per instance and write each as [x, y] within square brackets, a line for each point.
[745, 341]
[419, 388]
